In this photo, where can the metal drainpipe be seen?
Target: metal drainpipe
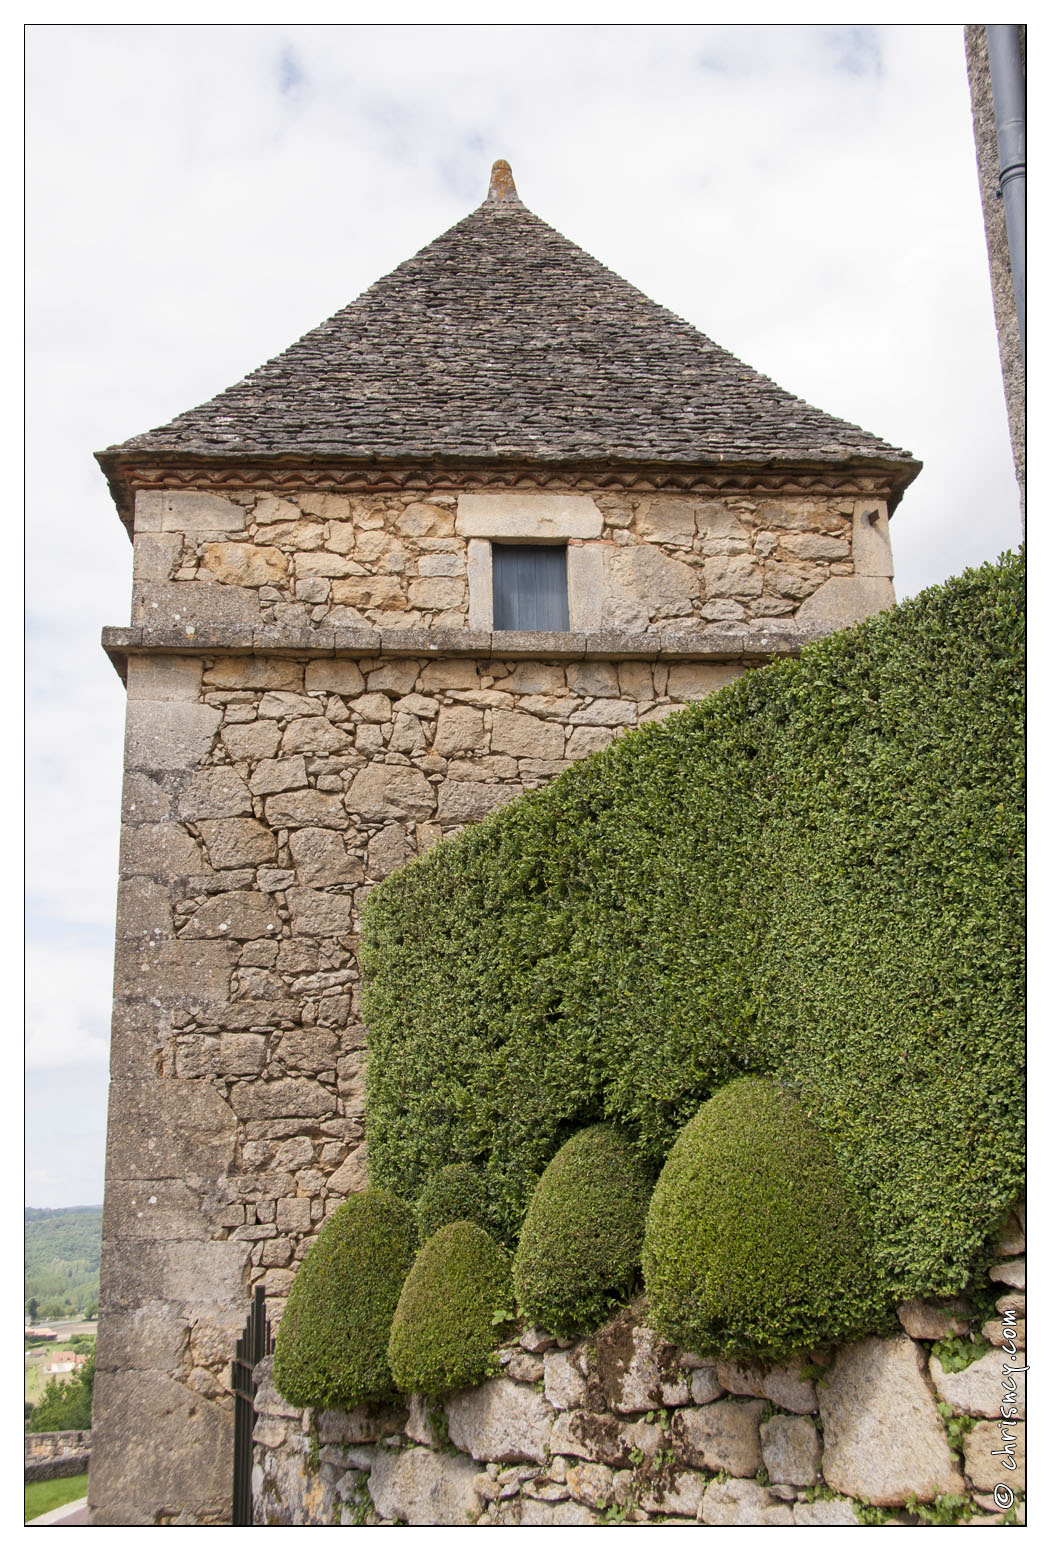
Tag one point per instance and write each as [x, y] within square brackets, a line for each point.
[1005, 73]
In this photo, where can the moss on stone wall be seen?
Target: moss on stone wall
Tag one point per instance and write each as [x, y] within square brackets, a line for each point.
[815, 873]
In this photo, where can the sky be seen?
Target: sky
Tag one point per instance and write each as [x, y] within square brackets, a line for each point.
[200, 196]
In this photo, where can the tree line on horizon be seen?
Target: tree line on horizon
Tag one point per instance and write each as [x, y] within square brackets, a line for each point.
[62, 1251]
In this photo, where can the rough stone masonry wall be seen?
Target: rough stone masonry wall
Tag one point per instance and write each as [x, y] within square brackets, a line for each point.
[1012, 364]
[320, 559]
[625, 1428]
[53, 1456]
[266, 791]
[263, 797]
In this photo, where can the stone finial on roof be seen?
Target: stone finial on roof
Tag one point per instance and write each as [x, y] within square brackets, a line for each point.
[501, 183]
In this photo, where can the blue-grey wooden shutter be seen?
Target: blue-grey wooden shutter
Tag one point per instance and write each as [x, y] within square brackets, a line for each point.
[529, 587]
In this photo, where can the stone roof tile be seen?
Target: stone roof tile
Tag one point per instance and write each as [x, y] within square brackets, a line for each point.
[503, 340]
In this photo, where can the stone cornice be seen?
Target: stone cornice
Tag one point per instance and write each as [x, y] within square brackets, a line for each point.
[749, 646]
[128, 473]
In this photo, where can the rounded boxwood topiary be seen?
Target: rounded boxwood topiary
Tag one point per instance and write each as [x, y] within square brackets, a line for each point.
[581, 1239]
[754, 1245]
[332, 1341]
[448, 1317]
[455, 1194]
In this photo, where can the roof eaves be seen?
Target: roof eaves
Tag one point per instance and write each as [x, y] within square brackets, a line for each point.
[128, 469]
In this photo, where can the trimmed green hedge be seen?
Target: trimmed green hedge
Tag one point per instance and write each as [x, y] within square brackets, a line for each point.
[815, 873]
[582, 1238]
[455, 1194]
[447, 1322]
[332, 1341]
[753, 1245]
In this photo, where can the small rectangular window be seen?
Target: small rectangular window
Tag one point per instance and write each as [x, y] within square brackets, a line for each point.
[529, 587]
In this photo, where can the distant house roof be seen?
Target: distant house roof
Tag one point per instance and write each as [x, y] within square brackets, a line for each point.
[502, 340]
[66, 1360]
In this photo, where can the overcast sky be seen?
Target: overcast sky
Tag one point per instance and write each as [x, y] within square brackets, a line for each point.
[199, 197]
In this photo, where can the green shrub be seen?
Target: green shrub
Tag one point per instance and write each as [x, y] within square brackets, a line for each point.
[815, 873]
[581, 1240]
[455, 1194]
[448, 1317]
[332, 1342]
[753, 1244]
[65, 1405]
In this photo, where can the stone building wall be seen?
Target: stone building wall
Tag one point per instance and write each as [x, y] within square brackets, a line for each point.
[635, 562]
[315, 695]
[626, 1428]
[263, 797]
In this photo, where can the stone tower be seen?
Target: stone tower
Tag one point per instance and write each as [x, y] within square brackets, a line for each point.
[494, 512]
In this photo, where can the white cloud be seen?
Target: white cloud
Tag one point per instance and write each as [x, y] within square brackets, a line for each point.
[68, 989]
[66, 1136]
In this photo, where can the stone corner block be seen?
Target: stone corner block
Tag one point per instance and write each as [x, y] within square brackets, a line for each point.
[156, 1443]
[165, 678]
[870, 540]
[189, 511]
[168, 735]
[168, 1128]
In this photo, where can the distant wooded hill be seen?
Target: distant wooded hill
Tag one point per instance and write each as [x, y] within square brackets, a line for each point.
[62, 1261]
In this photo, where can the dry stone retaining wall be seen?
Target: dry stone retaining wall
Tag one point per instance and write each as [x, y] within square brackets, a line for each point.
[626, 1428]
[53, 1456]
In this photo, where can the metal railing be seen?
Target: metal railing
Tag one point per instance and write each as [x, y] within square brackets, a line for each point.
[253, 1345]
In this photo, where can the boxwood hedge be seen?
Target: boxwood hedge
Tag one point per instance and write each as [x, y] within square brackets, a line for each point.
[455, 1194]
[581, 1241]
[332, 1341]
[452, 1311]
[754, 1245]
[815, 873]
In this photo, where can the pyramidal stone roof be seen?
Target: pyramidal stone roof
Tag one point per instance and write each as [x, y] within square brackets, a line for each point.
[503, 341]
